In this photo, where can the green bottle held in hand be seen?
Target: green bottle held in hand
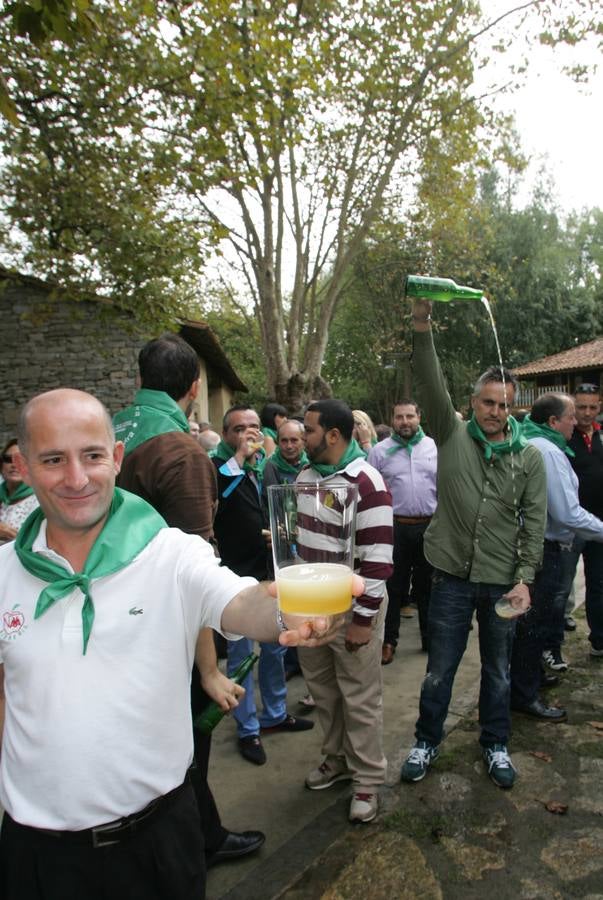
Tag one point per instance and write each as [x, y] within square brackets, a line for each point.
[212, 715]
[443, 289]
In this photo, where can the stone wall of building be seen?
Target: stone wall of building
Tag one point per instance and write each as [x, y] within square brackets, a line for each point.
[47, 344]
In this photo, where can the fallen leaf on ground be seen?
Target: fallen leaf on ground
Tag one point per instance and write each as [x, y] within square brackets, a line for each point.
[554, 806]
[540, 754]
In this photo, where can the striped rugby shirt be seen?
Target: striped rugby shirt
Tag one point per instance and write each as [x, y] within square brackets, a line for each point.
[374, 533]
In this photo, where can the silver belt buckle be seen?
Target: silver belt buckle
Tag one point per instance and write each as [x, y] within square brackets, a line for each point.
[99, 839]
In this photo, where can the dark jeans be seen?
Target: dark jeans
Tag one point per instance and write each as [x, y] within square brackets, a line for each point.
[410, 580]
[554, 631]
[451, 606]
[531, 630]
[592, 554]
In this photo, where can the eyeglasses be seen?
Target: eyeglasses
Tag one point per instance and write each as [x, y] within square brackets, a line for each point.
[587, 389]
[7, 458]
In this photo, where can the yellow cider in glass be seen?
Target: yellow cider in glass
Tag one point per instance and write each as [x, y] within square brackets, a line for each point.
[314, 589]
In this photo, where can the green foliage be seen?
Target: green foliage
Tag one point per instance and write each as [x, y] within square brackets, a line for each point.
[87, 193]
[543, 278]
[41, 20]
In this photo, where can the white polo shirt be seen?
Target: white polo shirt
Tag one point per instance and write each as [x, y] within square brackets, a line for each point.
[88, 739]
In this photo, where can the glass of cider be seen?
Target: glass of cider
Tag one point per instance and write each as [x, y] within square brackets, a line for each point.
[313, 527]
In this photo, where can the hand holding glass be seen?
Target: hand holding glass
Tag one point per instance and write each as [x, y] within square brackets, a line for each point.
[313, 529]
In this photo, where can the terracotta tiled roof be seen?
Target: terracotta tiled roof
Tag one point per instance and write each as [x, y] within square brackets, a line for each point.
[585, 356]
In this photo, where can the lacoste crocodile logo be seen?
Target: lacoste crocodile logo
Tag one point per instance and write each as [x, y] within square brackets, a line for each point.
[135, 612]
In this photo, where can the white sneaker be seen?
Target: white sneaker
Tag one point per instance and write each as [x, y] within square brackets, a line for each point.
[331, 770]
[363, 807]
[595, 652]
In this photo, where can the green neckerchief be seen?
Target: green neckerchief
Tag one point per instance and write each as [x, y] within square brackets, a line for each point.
[352, 452]
[532, 429]
[285, 466]
[224, 452]
[269, 432]
[20, 493]
[152, 413]
[514, 443]
[130, 525]
[401, 444]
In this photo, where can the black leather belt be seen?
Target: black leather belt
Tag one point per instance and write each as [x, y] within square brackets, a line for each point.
[118, 830]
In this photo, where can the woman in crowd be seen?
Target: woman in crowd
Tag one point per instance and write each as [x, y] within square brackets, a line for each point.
[271, 417]
[17, 500]
[364, 430]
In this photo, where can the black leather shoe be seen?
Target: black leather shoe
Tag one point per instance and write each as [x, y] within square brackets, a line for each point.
[548, 681]
[289, 723]
[235, 845]
[251, 749]
[540, 711]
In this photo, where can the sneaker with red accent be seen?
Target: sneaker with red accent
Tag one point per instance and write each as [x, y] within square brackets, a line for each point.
[363, 807]
[331, 770]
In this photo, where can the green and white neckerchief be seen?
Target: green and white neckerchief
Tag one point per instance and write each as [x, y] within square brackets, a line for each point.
[283, 466]
[401, 444]
[131, 524]
[152, 413]
[20, 493]
[513, 443]
[534, 429]
[352, 452]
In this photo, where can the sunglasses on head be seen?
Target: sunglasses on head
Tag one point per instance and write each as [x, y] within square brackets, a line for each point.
[7, 458]
[587, 389]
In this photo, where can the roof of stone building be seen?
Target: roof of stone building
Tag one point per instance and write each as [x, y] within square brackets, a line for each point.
[198, 334]
[584, 356]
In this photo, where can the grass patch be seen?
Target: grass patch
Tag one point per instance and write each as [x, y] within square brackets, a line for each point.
[420, 827]
[594, 750]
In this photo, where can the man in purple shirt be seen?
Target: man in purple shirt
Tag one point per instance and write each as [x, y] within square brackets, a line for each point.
[408, 462]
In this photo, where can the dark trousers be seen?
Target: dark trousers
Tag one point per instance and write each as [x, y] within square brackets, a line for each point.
[554, 628]
[531, 631]
[592, 555]
[451, 607]
[410, 580]
[161, 860]
[211, 825]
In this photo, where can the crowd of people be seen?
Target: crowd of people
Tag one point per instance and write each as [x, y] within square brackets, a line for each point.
[136, 549]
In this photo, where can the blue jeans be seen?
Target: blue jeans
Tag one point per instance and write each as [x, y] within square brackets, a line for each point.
[273, 690]
[531, 631]
[451, 606]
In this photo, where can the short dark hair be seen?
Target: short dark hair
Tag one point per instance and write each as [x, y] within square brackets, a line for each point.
[495, 374]
[406, 401]
[547, 405]
[269, 411]
[238, 407]
[168, 364]
[9, 444]
[334, 414]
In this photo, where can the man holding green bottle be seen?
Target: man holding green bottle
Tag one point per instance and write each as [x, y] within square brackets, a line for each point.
[484, 542]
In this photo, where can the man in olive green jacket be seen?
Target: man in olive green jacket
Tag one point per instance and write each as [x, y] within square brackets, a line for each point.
[485, 543]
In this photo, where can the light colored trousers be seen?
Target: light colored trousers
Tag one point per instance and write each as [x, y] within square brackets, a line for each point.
[348, 691]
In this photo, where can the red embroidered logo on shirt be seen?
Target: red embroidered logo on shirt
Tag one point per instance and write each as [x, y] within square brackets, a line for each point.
[13, 623]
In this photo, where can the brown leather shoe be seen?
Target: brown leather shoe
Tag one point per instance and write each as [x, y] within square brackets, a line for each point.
[387, 654]
[407, 612]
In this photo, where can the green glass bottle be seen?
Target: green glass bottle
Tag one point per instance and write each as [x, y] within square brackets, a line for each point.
[212, 715]
[443, 289]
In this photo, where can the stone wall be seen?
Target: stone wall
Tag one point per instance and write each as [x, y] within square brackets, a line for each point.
[47, 344]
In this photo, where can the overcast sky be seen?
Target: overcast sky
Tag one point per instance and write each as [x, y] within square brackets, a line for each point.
[560, 122]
